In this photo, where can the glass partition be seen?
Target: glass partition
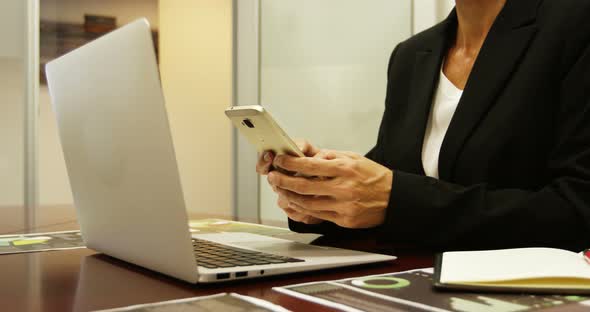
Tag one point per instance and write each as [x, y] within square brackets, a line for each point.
[12, 114]
[323, 67]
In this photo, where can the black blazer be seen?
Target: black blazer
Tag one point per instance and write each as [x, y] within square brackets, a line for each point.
[515, 163]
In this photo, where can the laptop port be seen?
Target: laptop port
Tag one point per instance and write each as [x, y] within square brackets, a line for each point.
[222, 276]
[241, 274]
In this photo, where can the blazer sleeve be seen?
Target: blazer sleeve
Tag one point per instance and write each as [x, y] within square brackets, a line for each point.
[374, 154]
[436, 213]
[428, 212]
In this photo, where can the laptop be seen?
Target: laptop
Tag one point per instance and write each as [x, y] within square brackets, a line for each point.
[121, 163]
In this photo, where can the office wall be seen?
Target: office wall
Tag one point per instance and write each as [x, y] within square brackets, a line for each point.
[444, 7]
[12, 89]
[196, 69]
[429, 12]
[12, 30]
[425, 14]
[54, 186]
[11, 130]
[12, 27]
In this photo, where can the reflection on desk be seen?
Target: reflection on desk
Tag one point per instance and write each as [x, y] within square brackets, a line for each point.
[104, 282]
[81, 280]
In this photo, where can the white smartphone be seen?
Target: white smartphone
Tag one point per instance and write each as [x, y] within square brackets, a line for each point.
[261, 130]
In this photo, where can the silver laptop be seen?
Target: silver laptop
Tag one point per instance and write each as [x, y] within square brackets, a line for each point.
[122, 167]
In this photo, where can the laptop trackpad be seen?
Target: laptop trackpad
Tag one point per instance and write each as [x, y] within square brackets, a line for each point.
[273, 245]
[281, 247]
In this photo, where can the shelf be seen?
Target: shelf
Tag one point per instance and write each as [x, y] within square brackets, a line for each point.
[57, 39]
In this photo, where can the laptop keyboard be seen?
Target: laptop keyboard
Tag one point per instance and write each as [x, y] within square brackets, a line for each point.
[214, 255]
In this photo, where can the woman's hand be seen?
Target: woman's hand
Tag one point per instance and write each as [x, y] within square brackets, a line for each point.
[266, 159]
[263, 166]
[353, 191]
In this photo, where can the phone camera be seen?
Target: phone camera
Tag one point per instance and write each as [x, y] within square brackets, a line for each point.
[248, 123]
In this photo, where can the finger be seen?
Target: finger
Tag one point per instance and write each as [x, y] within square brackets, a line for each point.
[291, 213]
[333, 154]
[296, 216]
[284, 203]
[302, 185]
[324, 215]
[312, 220]
[264, 162]
[313, 203]
[313, 166]
[326, 154]
[306, 148]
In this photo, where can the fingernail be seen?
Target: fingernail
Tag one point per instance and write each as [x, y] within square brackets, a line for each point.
[271, 177]
[267, 156]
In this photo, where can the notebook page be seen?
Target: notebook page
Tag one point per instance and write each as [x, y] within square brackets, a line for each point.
[510, 264]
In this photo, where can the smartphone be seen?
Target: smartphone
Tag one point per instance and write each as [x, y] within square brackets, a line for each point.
[261, 130]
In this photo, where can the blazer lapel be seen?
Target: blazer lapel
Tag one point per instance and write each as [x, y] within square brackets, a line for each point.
[498, 58]
[427, 66]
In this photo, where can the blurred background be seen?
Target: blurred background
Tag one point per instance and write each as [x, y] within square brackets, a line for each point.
[318, 65]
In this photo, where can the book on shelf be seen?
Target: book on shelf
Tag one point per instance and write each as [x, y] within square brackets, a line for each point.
[99, 23]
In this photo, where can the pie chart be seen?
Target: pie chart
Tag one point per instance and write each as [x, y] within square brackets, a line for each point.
[381, 282]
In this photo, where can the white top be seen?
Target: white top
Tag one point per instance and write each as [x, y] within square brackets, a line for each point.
[444, 104]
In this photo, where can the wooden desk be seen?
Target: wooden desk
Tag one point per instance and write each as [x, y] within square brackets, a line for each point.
[82, 280]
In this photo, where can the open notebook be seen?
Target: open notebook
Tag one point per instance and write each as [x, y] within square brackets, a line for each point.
[538, 270]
